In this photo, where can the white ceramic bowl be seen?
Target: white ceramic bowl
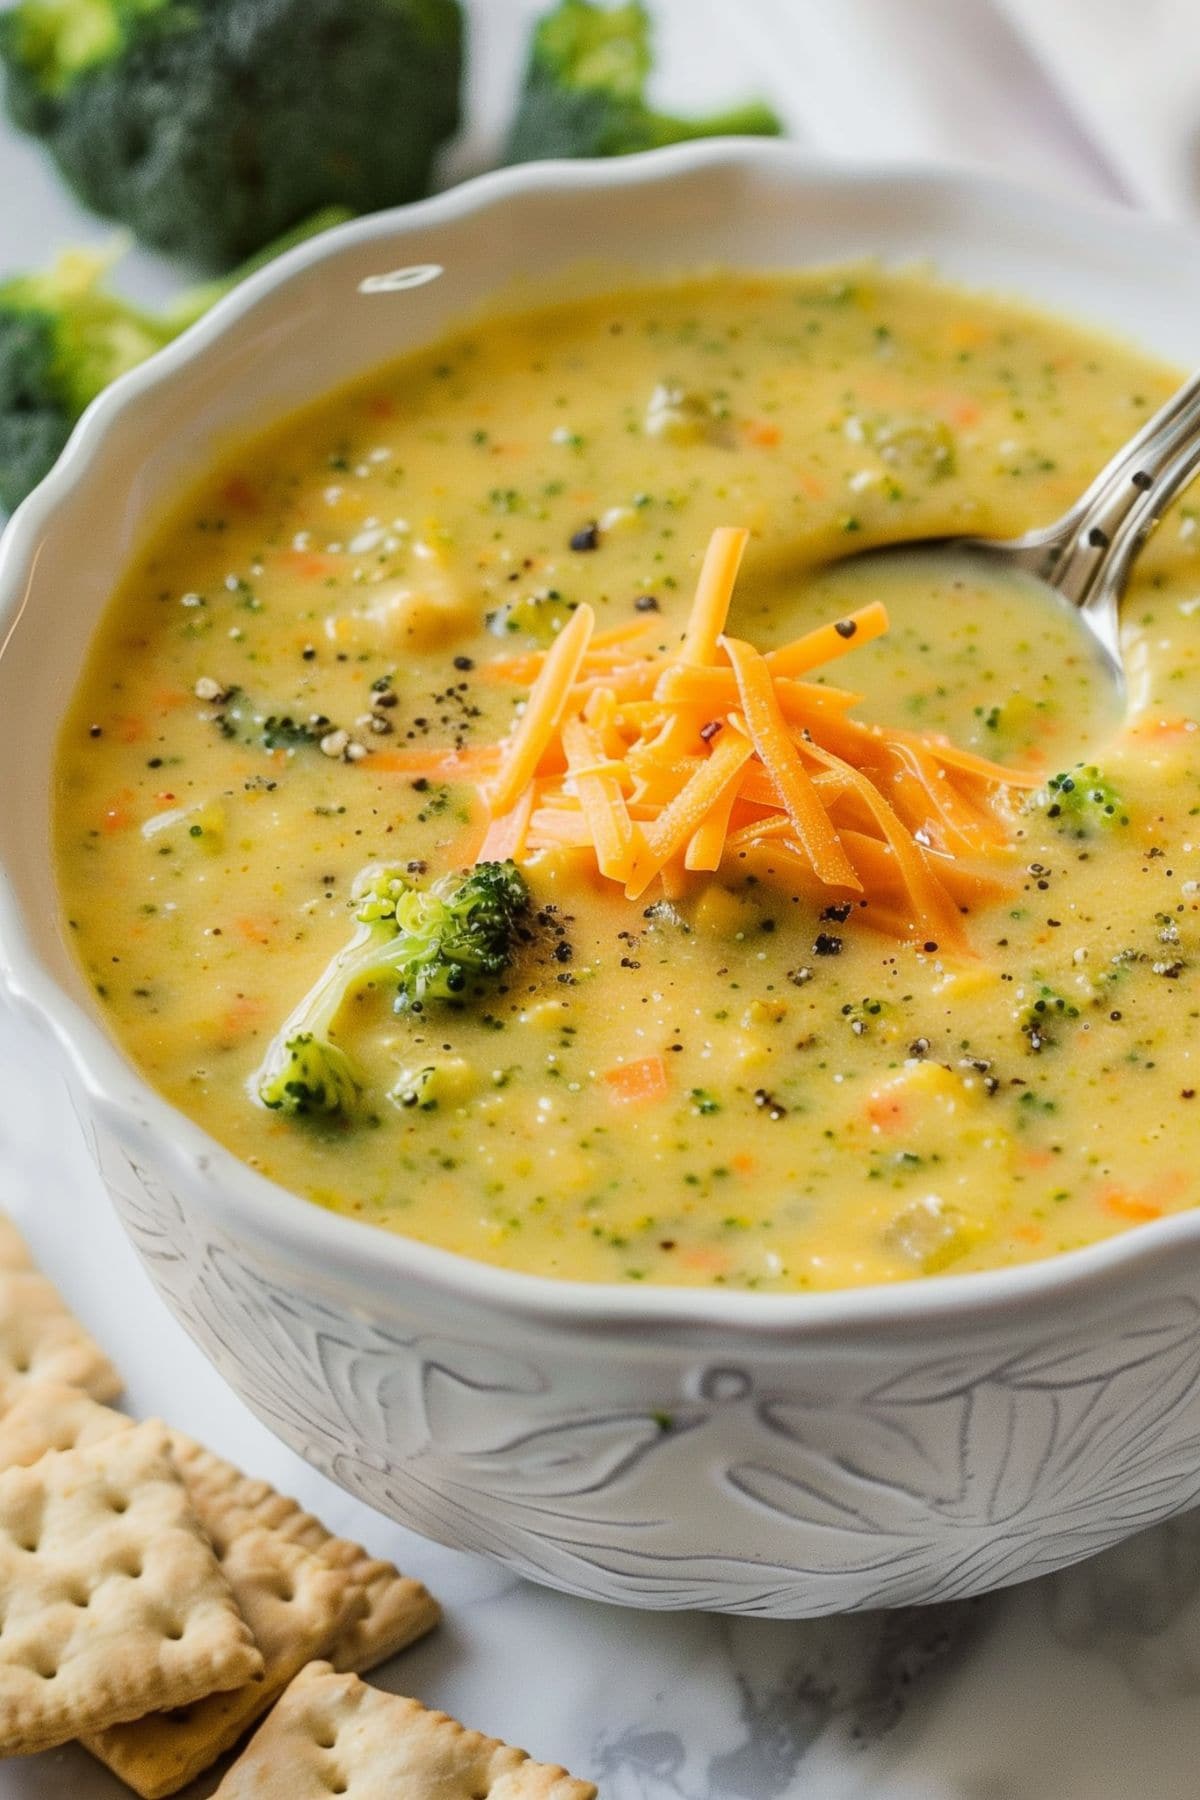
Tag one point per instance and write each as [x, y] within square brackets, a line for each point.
[663, 1448]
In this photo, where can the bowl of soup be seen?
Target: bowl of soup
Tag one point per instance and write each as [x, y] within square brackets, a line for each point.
[639, 1044]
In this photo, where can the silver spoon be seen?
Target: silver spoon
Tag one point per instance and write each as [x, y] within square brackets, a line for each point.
[1085, 557]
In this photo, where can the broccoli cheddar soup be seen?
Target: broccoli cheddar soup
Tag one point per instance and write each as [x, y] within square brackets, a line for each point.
[490, 811]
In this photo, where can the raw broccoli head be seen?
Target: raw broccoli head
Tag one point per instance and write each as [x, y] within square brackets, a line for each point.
[1081, 801]
[62, 339]
[64, 336]
[211, 126]
[585, 90]
[413, 945]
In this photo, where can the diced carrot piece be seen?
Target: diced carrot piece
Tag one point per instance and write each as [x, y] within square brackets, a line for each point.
[1130, 1206]
[762, 434]
[118, 814]
[638, 1083]
[888, 1111]
[256, 930]
[308, 565]
[240, 492]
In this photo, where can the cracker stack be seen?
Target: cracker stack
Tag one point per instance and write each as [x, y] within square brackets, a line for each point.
[155, 1602]
[114, 1603]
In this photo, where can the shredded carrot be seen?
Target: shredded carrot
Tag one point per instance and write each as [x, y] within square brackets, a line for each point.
[662, 765]
[504, 839]
[1164, 730]
[967, 761]
[543, 710]
[781, 759]
[683, 816]
[635, 1083]
[714, 591]
[829, 641]
[597, 783]
[470, 764]
[607, 650]
[706, 847]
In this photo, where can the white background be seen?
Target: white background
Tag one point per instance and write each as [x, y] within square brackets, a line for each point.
[996, 1703]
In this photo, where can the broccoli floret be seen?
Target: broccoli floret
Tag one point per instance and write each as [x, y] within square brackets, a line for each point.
[211, 128]
[1081, 801]
[447, 934]
[64, 337]
[415, 944]
[585, 90]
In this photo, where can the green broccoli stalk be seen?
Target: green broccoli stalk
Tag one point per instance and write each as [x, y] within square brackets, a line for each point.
[585, 90]
[415, 944]
[1081, 801]
[211, 128]
[64, 336]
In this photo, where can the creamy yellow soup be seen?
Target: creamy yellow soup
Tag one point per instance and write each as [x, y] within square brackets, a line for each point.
[832, 1104]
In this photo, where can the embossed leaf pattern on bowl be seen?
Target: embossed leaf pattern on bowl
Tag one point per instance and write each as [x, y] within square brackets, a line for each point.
[806, 1494]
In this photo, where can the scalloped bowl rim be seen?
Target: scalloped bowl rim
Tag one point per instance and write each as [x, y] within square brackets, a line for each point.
[351, 1249]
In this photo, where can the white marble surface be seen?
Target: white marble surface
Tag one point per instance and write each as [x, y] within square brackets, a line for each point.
[1083, 1687]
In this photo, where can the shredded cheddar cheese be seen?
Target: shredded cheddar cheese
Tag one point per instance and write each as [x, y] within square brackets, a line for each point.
[667, 764]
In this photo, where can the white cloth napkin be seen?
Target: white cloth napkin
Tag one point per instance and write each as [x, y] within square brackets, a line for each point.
[1093, 95]
[1132, 76]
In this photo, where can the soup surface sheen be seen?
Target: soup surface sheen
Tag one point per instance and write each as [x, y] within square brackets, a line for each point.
[835, 1106]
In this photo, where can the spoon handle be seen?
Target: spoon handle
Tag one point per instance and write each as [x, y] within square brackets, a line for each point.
[1086, 554]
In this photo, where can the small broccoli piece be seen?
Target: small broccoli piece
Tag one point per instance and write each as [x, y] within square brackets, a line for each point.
[1081, 801]
[310, 1075]
[414, 944]
[1038, 1018]
[914, 445]
[64, 337]
[585, 90]
[539, 616]
[211, 128]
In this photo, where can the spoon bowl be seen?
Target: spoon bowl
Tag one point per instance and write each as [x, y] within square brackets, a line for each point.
[1085, 557]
